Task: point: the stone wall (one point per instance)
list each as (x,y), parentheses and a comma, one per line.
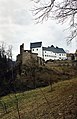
(61,63)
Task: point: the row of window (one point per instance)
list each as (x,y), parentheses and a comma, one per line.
(47,51)
(35,49)
(62,54)
(49,56)
(55,54)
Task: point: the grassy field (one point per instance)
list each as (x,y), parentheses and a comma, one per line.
(42,103)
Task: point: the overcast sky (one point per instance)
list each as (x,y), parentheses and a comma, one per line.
(17,26)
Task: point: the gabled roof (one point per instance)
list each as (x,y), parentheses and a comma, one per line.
(35,45)
(54,49)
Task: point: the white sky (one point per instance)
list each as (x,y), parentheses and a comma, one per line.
(17,26)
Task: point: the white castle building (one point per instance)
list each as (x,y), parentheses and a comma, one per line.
(47,53)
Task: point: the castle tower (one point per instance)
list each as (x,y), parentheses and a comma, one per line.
(36,47)
(21,48)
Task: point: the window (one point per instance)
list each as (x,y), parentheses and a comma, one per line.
(59,54)
(45,51)
(37,49)
(63,54)
(33,49)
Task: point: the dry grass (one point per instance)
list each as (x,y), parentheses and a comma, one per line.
(41,103)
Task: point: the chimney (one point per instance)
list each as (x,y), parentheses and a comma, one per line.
(52,46)
(56,47)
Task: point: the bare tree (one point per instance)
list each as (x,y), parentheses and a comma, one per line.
(61,10)
(2,49)
(4,106)
(9,52)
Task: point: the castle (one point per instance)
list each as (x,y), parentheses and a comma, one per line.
(40,53)
(26,55)
(47,53)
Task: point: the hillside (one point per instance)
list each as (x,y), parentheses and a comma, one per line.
(60,103)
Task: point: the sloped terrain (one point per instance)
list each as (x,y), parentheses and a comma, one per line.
(42,103)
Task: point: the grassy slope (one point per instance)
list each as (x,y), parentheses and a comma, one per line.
(41,103)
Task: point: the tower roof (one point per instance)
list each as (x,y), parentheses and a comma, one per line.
(35,45)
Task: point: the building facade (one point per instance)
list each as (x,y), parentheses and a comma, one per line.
(72,56)
(48,53)
(37,48)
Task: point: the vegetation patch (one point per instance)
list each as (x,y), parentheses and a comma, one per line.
(42,103)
